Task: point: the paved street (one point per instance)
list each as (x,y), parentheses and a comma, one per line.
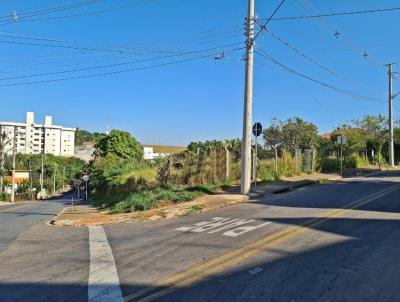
(332,242)
(18,218)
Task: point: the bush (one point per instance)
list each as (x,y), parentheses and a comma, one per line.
(356,161)
(330,164)
(177,197)
(142,201)
(135,202)
(5,196)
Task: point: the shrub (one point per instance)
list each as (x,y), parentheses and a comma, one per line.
(356,161)
(135,202)
(5,196)
(330,164)
(177,196)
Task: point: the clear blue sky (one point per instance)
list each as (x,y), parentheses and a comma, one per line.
(199,99)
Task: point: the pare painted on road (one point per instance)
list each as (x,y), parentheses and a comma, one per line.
(229,227)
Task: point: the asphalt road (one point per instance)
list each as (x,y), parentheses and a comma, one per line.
(17,218)
(333,242)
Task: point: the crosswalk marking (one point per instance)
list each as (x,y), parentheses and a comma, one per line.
(103,278)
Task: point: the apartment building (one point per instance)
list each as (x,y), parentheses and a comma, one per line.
(34,138)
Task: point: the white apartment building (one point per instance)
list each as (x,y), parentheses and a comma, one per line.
(34,138)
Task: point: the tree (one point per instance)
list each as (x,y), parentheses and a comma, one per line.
(121,144)
(356,139)
(235,147)
(83,136)
(273,134)
(207,146)
(294,133)
(377,131)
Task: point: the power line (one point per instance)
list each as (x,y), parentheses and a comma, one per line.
(109,65)
(88,59)
(343,91)
(105,49)
(371,11)
(59,46)
(54,9)
(316,16)
(137,51)
(313,61)
(101,11)
(264,26)
(108,73)
(99,47)
(346,42)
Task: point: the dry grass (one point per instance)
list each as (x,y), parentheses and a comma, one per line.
(166,149)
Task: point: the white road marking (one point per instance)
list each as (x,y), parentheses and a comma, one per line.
(244,229)
(103,277)
(218,224)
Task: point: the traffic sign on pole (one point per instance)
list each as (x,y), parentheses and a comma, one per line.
(257,129)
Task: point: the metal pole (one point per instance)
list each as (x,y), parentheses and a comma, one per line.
(276,160)
(54,180)
(391,134)
(341,159)
(245,185)
(13,168)
(30,180)
(86,189)
(63,179)
(41,175)
(255,165)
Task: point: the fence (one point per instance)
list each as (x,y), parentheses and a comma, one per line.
(195,168)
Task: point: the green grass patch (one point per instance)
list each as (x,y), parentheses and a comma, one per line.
(146,200)
(135,202)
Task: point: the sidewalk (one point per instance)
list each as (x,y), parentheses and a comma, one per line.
(291,183)
(84,214)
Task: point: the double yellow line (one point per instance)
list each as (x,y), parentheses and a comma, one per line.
(233,257)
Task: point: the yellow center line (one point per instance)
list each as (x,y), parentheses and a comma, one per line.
(235,256)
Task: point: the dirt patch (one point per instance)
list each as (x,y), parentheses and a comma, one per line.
(85,215)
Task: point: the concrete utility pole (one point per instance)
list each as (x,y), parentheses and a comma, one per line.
(391,134)
(245,185)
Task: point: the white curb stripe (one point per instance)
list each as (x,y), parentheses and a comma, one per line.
(103,277)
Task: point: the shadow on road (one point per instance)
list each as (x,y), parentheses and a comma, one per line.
(342,259)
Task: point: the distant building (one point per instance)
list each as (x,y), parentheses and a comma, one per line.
(326,136)
(85,152)
(149,153)
(34,138)
(152,152)
(21,176)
